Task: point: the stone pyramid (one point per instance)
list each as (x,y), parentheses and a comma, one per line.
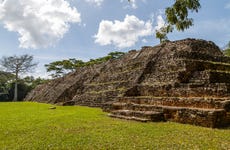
(186,81)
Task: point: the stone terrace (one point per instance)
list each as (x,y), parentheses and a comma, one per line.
(185,81)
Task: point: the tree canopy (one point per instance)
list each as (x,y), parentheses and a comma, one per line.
(25,85)
(62,67)
(5,77)
(177,17)
(227,49)
(17,65)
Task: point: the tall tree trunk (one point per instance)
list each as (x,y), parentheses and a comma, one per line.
(16,91)
(16,87)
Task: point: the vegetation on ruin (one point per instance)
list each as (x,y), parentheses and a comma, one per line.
(227,49)
(177,17)
(34,126)
(62,67)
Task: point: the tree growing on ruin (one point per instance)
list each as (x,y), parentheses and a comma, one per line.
(177,17)
(226,50)
(62,67)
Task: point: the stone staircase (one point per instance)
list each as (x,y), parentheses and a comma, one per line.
(207,112)
(197,92)
(186,81)
(142,116)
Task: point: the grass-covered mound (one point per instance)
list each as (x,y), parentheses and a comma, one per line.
(35,126)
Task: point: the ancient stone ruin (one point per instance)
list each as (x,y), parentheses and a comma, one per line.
(185,81)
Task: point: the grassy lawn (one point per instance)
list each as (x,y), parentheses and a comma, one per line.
(34,126)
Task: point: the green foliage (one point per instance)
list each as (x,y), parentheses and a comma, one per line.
(36,127)
(177,17)
(32,82)
(177,14)
(162,33)
(4,78)
(22,87)
(228,45)
(60,68)
(227,50)
(116,54)
(17,65)
(112,55)
(7,85)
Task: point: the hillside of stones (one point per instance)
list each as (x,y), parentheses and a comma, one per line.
(186,81)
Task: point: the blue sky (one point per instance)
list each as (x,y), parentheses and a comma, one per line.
(53,30)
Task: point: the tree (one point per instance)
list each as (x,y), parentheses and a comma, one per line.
(18,65)
(60,68)
(32,82)
(116,54)
(227,49)
(161,34)
(177,17)
(5,79)
(22,87)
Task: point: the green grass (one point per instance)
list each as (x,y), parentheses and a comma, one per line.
(34,126)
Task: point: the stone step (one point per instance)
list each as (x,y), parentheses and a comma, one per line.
(197,102)
(135,107)
(151,115)
(106,86)
(106,93)
(191,56)
(156,108)
(119,105)
(129,118)
(121,67)
(207,65)
(129,75)
(91,100)
(196,116)
(202,90)
(180,90)
(219,76)
(203,117)
(208,75)
(198,82)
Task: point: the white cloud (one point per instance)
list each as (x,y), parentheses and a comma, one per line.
(39,23)
(96,2)
(123,34)
(160,22)
(132,3)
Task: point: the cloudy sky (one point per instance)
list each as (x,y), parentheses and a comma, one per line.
(53,30)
